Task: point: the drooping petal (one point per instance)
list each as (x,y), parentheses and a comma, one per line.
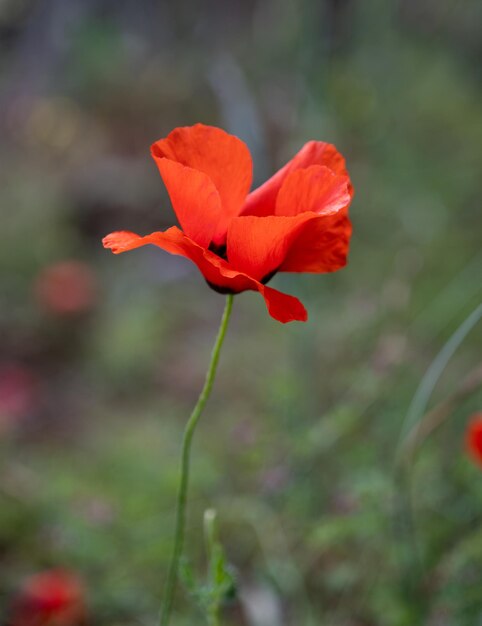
(316,189)
(320,246)
(282,306)
(258,245)
(224,158)
(194,198)
(262,201)
(216,271)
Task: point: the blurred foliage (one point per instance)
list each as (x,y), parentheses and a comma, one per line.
(297,448)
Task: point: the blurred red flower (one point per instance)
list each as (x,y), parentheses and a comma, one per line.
(50,598)
(66,288)
(18,391)
(297,221)
(473,438)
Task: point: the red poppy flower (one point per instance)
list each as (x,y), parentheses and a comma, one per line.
(297,221)
(18,392)
(51,598)
(473,438)
(66,288)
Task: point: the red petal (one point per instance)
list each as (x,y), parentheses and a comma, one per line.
(194,198)
(321,246)
(214,269)
(316,189)
(123,241)
(225,159)
(310,231)
(282,307)
(258,245)
(262,201)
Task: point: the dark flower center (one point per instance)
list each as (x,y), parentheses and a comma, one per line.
(219,250)
(222,290)
(265,280)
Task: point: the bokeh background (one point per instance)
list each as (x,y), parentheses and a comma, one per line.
(102,357)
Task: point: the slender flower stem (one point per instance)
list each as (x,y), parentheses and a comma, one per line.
(185,463)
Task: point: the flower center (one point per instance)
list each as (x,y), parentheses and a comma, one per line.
(219,250)
(268,277)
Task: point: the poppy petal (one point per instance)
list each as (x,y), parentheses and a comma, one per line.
(262,201)
(174,241)
(316,189)
(214,269)
(283,307)
(194,198)
(224,158)
(123,241)
(258,246)
(320,246)
(217,271)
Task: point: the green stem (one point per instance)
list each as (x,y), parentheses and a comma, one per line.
(185,462)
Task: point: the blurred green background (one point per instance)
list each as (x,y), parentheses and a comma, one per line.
(102,357)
